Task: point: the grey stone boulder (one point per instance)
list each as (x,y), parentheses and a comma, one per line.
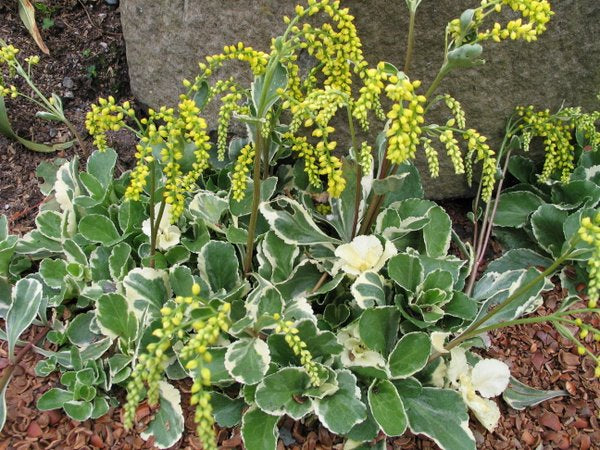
(166,39)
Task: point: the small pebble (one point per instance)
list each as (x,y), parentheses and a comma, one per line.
(68,83)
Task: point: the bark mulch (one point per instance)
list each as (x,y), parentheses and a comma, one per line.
(87,61)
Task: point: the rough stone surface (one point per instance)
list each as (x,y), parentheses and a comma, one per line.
(167,38)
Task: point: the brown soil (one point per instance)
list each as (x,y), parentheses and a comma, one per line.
(87,61)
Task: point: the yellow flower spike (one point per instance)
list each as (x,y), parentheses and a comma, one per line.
(581,350)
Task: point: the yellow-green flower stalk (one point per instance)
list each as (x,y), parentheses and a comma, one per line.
(557,136)
(239,177)
(533,19)
(298,346)
(590,233)
(431,154)
(406,118)
(175,323)
(476,145)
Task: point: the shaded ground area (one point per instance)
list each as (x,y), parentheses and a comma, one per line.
(87,61)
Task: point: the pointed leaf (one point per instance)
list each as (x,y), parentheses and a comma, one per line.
(27,14)
(520,396)
(26,300)
(295,228)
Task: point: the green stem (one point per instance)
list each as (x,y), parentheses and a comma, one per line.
(473,329)
(154,233)
(358,194)
(486,227)
(438,79)
(411,41)
(258,150)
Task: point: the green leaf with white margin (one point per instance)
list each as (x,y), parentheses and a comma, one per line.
(3,403)
(547,224)
(247,360)
(294,228)
(100,229)
(282,393)
(115,318)
(259,430)
(342,208)
(167,425)
(493,288)
(74,253)
(219,266)
(26,300)
(53,272)
(78,410)
(368,290)
(54,398)
(437,232)
(520,396)
(101,165)
(119,261)
(387,408)
(518,258)
(344,409)
(49,224)
(439,414)
(147,289)
(227,411)
(410,355)
(378,328)
(8,245)
(279,256)
(406,270)
(515,208)
(208,206)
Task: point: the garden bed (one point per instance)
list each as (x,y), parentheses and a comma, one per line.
(87,61)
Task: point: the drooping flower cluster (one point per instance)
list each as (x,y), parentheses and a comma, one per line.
(590,233)
(453,150)
(195,354)
(337,47)
(107,116)
(164,130)
(370,95)
(480,151)
(456,110)
(533,21)
(175,322)
(257,61)
(431,154)
(228,108)
(298,346)
(557,136)
(239,177)
(406,118)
